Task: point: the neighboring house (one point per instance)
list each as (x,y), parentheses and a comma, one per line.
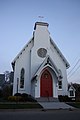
(2,80)
(71,91)
(9,81)
(77,91)
(40,67)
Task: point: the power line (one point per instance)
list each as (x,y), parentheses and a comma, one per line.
(74,72)
(73,67)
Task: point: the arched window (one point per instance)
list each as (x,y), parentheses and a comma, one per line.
(22,78)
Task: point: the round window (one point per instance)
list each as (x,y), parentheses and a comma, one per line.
(42,52)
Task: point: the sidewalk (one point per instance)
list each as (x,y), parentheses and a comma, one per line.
(55,105)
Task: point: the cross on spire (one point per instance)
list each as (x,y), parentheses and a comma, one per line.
(40,18)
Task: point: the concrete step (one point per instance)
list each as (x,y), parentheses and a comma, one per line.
(47,99)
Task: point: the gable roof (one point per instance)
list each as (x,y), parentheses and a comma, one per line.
(52,42)
(13,62)
(48,63)
(60,54)
(70,86)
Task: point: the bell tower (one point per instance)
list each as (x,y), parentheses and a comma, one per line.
(41,45)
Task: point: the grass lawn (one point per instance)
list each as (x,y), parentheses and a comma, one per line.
(31,105)
(75,104)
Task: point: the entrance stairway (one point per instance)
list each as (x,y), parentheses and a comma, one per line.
(47,99)
(52,103)
(55,105)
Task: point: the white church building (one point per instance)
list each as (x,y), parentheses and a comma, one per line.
(40,69)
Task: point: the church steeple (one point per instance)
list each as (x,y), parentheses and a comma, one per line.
(40,24)
(41,35)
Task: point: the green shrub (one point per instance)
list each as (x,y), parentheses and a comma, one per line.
(64,98)
(27,97)
(1,94)
(17,94)
(14,98)
(24,97)
(77,99)
(6,92)
(31,99)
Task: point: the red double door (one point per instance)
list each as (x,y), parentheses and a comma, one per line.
(46,85)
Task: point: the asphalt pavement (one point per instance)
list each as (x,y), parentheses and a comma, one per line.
(40,114)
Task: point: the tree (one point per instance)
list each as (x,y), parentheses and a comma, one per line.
(7,91)
(7,74)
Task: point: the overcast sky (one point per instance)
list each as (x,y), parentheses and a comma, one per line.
(17,19)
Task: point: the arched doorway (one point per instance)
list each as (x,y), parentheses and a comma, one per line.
(46,86)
